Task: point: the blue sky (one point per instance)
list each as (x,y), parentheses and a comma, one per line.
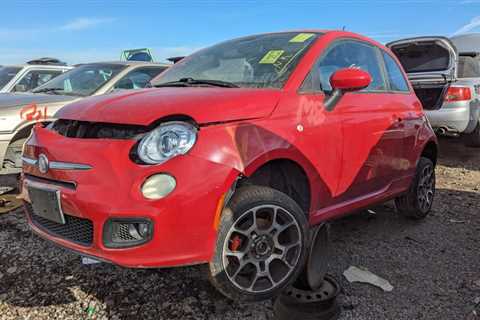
(83,31)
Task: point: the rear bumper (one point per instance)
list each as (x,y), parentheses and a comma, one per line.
(453,118)
(183,222)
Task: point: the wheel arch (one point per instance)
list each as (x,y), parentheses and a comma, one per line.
(283,174)
(430,151)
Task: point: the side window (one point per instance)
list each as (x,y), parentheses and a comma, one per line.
(348,54)
(395,75)
(35,78)
(138,78)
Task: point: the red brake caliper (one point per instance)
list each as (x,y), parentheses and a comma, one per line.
(235,243)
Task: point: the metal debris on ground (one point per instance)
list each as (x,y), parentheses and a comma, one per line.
(354,274)
(457,221)
(9,202)
(475,313)
(87,261)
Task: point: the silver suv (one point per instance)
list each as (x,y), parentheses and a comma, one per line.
(25,77)
(446,81)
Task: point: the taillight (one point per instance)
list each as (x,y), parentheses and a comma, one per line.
(458,94)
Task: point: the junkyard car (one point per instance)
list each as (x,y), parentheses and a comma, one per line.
(19,112)
(447,83)
(25,77)
(242,147)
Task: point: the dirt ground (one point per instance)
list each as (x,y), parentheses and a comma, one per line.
(434,266)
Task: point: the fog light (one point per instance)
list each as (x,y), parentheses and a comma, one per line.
(158,186)
(126,232)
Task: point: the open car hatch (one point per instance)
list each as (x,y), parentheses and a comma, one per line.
(427,60)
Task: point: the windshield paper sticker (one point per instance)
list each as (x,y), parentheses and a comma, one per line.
(272,56)
(302,37)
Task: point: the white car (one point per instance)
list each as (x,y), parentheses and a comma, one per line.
(20,111)
(26,77)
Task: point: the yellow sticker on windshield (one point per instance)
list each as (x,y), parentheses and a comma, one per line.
(272,56)
(302,37)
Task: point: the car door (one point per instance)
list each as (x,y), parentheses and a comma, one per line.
(409,114)
(371,139)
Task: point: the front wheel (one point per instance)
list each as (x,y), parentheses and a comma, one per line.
(418,201)
(261,245)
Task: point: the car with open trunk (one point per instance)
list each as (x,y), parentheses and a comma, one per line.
(446,81)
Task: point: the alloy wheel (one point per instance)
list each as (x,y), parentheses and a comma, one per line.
(426,188)
(262,248)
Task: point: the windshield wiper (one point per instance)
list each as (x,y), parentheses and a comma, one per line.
(188,82)
(45,90)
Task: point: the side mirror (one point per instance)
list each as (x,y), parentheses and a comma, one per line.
(20,88)
(346,80)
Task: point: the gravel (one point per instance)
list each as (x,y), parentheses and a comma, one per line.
(434,266)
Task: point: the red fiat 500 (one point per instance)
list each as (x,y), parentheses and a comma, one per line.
(240,148)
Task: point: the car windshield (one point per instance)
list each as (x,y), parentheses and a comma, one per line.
(261,61)
(82,81)
(6,74)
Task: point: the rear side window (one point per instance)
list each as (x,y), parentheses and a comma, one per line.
(395,75)
(347,54)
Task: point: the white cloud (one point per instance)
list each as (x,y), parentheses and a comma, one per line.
(78,24)
(474,23)
(84,23)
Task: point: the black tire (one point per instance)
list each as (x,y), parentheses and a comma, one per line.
(248,235)
(286,312)
(473,139)
(418,201)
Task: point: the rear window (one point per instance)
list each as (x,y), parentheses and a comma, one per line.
(468,67)
(423,56)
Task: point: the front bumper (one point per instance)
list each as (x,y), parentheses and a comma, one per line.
(183,222)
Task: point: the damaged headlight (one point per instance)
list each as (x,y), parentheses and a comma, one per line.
(167,141)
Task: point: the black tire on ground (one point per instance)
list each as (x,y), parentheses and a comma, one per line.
(13,154)
(261,245)
(417,202)
(473,139)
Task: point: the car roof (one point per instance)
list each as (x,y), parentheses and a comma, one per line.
(27,65)
(129,63)
(337,33)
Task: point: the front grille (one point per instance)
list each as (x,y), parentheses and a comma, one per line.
(75,229)
(97,130)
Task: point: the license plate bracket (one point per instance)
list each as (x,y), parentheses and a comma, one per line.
(46,204)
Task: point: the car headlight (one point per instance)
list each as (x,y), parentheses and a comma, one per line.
(167,141)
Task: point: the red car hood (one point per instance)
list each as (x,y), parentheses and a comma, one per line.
(204,105)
